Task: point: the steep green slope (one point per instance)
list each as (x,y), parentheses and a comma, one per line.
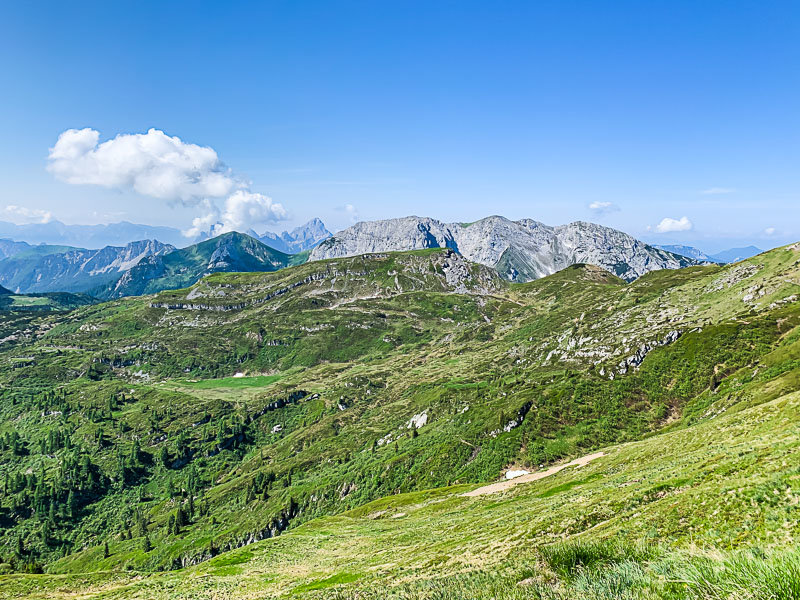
(181,268)
(361,378)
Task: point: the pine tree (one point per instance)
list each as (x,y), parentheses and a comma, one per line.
(72,504)
(136,454)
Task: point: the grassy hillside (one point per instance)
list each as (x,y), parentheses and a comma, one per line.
(19,313)
(156,433)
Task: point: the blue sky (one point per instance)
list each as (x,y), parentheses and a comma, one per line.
(456,110)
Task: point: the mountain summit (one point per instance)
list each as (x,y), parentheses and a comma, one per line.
(298,239)
(520,250)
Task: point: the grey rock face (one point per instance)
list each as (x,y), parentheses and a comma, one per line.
(520,250)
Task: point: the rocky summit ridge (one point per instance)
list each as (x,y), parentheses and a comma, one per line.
(521,250)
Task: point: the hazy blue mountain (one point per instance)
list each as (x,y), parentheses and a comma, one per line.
(10,248)
(48,268)
(233,252)
(735,254)
(689,251)
(298,239)
(90,236)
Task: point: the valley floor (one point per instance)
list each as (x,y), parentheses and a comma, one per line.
(708,511)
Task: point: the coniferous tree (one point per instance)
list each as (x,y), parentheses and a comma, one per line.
(72,504)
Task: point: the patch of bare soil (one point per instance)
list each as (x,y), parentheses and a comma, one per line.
(502,486)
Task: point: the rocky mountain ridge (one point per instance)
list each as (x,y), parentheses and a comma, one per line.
(521,250)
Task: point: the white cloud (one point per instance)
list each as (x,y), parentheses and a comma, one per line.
(153,164)
(603,208)
(769,231)
(714,191)
(669,225)
(204,223)
(351,212)
(21,214)
(167,168)
(241,212)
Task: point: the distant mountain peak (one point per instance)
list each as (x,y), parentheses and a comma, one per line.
(301,238)
(688,251)
(736,254)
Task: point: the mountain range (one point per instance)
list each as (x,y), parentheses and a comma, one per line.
(181,268)
(519,250)
(45,268)
(27,268)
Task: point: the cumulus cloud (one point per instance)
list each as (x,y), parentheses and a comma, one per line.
(769,231)
(153,164)
(715,191)
(21,214)
(165,167)
(241,210)
(603,208)
(669,225)
(351,212)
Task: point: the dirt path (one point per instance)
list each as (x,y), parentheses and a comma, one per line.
(501,486)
